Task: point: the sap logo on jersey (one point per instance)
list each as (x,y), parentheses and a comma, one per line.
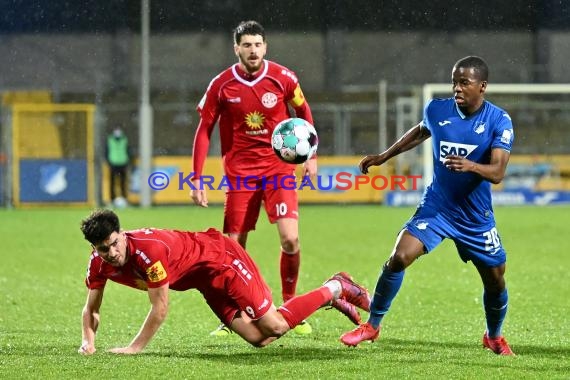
(446,148)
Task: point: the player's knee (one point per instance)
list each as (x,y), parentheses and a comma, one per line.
(399,261)
(290,243)
(277,330)
(267,334)
(495,286)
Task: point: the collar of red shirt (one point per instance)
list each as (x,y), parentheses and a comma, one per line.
(247,76)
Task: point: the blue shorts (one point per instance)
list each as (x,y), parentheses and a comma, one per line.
(478,243)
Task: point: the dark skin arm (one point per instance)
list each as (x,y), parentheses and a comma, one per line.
(493,172)
(412,138)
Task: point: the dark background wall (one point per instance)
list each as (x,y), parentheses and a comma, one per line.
(90,51)
(57,16)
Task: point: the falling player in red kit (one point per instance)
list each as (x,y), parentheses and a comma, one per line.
(156,260)
(248,99)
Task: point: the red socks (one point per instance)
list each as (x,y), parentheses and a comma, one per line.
(289,269)
(299,308)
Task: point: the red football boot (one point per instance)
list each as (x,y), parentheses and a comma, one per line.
(498,345)
(352,292)
(360,334)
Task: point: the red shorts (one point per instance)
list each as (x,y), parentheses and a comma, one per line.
(237,285)
(241,209)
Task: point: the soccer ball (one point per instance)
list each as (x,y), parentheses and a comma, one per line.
(295,140)
(120,202)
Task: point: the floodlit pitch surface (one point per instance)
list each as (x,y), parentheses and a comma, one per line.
(433,330)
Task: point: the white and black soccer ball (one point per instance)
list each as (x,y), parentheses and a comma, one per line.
(295,140)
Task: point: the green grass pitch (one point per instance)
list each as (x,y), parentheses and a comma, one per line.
(433,330)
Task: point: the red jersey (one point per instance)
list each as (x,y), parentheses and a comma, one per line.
(248,108)
(157,257)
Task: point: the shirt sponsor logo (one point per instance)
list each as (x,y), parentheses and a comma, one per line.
(269,100)
(257,133)
(446,148)
(255,121)
(156,272)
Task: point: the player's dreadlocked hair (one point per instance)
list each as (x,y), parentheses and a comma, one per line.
(250,28)
(477,63)
(99,225)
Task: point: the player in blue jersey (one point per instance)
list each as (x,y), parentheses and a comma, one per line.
(472,140)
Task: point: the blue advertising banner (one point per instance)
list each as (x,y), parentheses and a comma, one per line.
(53,180)
(530,197)
(500,198)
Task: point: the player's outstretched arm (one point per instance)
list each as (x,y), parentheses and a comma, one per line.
(90,321)
(157,314)
(409,140)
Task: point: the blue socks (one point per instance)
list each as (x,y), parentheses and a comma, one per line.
(389,284)
(387,287)
(495,306)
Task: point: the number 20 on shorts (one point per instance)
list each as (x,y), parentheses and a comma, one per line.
(492,242)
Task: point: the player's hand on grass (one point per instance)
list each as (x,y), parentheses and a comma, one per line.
(124,350)
(199,195)
(372,160)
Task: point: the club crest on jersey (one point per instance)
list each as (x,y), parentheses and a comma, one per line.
(269,100)
(446,148)
(421,225)
(479,128)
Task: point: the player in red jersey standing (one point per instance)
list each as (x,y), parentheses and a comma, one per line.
(156,260)
(248,99)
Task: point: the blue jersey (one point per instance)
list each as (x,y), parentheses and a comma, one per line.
(464,196)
